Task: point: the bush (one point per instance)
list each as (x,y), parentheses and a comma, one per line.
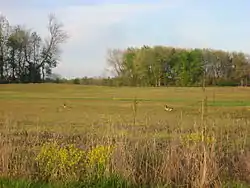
(69,163)
(56,162)
(76,81)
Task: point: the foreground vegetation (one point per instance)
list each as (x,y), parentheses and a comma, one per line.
(74,136)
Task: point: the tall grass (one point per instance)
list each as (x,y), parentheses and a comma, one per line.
(189,158)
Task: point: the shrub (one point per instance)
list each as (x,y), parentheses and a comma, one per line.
(56,162)
(97,160)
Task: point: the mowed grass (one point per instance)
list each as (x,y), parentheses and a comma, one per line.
(149,145)
(41,105)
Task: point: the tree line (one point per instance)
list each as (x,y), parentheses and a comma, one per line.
(169,66)
(26,57)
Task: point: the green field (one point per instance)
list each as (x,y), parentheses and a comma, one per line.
(146,140)
(41,106)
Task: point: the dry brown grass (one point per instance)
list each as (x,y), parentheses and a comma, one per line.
(150,150)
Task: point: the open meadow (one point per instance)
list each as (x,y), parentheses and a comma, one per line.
(125,133)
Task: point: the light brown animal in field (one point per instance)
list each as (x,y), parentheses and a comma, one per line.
(169,109)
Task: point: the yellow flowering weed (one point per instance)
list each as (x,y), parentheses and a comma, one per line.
(59,162)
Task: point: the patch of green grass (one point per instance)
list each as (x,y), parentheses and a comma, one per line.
(110,182)
(233,184)
(12,183)
(113,182)
(230,96)
(229,103)
(172,100)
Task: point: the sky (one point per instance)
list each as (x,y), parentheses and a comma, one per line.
(94,26)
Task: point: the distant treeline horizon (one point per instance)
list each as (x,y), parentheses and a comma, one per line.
(25,57)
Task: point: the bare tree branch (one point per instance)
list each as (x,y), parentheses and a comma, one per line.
(56,37)
(115,61)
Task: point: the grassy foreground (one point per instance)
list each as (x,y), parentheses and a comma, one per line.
(111,182)
(105,132)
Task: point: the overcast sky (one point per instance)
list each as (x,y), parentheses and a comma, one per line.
(96,25)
